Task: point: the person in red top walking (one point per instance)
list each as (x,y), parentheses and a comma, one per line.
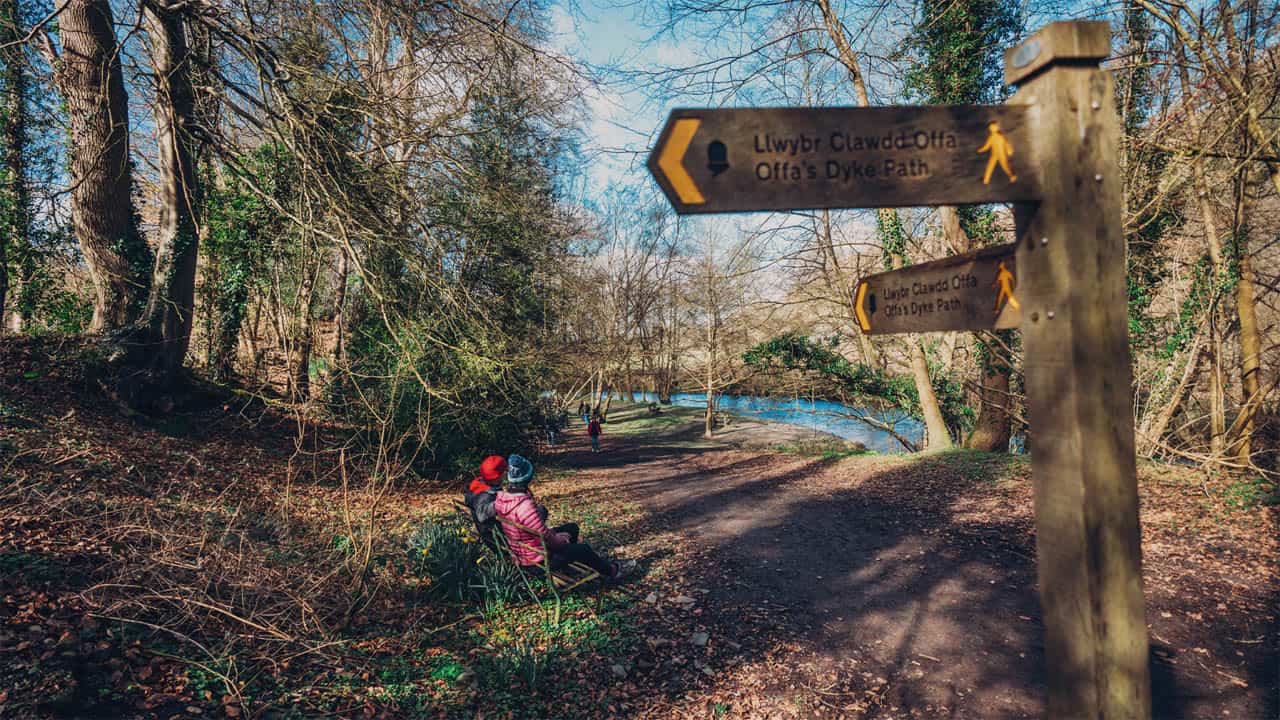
(593,429)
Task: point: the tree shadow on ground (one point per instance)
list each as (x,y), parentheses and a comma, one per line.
(904,598)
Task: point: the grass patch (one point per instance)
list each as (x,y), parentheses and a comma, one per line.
(825,448)
(978,465)
(1249,493)
(530,665)
(638,421)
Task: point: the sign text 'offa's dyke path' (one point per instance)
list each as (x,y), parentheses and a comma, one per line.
(734,160)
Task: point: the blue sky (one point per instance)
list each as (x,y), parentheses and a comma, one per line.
(623,121)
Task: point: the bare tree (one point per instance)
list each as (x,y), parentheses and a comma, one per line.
(168,316)
(719,306)
(88,72)
(1232,50)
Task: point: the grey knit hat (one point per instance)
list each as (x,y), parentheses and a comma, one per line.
(519,470)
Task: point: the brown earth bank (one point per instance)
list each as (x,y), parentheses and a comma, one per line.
(236,561)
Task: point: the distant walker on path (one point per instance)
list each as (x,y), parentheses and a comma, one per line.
(593,429)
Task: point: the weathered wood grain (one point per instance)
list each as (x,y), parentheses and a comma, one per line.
(1071,266)
(1058,42)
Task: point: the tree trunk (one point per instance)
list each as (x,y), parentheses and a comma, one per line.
(255,340)
(597,392)
(870,355)
(939,438)
(340,305)
(1250,344)
(303,339)
(631,381)
(709,416)
(169,309)
(302,365)
(1217,403)
(993,428)
(14,200)
(849,59)
(102,211)
(1150,435)
(608,401)
(957,239)
(1217,411)
(713,327)
(671,358)
(16,234)
(662,386)
(937,435)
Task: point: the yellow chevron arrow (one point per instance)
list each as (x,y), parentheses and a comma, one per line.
(672,161)
(863,321)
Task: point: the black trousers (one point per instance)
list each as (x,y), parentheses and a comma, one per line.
(577,552)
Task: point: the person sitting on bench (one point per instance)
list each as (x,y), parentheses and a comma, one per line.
(480,496)
(515,504)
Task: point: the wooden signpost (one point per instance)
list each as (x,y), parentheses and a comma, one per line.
(1052,152)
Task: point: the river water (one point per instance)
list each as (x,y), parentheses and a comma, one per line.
(823,416)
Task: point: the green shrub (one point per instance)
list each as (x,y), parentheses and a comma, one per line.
(459,567)
(66,312)
(445,551)
(498,584)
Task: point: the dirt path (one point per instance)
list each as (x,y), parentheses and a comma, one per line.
(894,587)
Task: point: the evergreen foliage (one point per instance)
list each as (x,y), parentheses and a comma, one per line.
(461,367)
(243,229)
(1151,218)
(956,45)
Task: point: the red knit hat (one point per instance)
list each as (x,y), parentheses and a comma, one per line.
(492,467)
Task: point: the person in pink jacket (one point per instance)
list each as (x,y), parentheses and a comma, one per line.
(516,504)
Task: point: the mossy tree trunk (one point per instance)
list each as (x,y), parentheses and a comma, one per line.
(993,428)
(15,201)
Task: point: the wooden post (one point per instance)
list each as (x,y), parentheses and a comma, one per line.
(1071,277)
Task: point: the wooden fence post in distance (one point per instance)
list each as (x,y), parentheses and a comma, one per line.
(1071,280)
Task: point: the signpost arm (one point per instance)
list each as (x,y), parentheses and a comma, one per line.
(1071,272)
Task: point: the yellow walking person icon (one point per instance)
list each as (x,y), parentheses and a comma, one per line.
(1000,149)
(1006,282)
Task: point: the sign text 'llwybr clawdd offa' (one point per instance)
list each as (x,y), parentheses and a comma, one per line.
(974,291)
(733,160)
